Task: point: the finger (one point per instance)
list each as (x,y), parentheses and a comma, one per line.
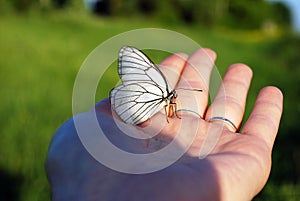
(172,67)
(265,117)
(231,98)
(196,75)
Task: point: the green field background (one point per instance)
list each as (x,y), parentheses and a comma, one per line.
(41,53)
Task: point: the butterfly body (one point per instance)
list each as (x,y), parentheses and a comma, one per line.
(144,90)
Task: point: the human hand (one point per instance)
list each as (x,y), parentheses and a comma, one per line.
(235,168)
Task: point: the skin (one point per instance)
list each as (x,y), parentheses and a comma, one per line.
(237,167)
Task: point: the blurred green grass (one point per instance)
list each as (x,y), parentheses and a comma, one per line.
(42,53)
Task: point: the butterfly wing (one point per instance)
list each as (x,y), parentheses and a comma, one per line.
(144,88)
(134,104)
(134,66)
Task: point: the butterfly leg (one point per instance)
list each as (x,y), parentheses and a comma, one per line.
(174,110)
(170,110)
(166,112)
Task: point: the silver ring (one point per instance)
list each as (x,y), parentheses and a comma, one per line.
(223,119)
(189,111)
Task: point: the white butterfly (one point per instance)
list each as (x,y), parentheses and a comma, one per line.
(144,90)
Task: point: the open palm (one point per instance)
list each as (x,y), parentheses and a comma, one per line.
(217,163)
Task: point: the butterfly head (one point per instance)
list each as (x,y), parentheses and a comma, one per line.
(174,93)
(173,96)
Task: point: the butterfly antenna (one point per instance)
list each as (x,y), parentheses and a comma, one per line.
(200,90)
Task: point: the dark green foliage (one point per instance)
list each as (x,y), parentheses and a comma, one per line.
(192,12)
(103,8)
(147,7)
(23,5)
(281,14)
(246,14)
(240,14)
(60,3)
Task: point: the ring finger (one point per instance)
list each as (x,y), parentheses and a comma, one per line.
(230,101)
